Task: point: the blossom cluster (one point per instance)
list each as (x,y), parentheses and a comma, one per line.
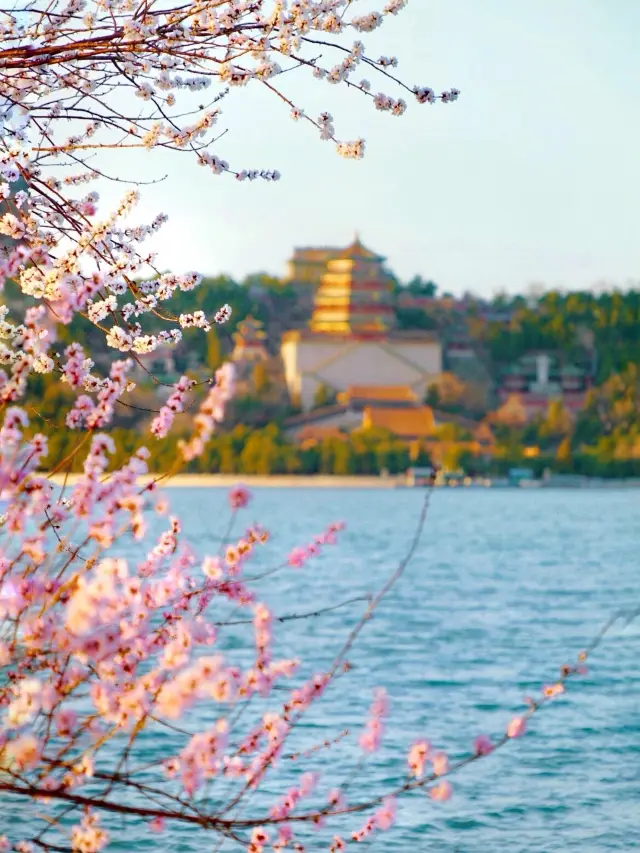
(70,257)
(110,630)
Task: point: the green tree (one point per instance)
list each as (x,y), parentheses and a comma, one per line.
(323,396)
(343,458)
(421,287)
(213,358)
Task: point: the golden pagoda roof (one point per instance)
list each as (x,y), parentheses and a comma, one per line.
(415,422)
(315,254)
(356,251)
(382,393)
(249,329)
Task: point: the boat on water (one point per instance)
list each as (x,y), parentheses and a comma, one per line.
(424,477)
(416,478)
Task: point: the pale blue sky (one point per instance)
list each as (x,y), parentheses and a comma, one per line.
(533,175)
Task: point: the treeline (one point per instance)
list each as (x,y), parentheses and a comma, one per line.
(602,441)
(259,294)
(606,325)
(366,453)
(252,451)
(603,329)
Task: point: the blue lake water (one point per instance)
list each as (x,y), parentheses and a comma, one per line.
(505,587)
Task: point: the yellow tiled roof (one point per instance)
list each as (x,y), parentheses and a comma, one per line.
(315,253)
(405,423)
(386,393)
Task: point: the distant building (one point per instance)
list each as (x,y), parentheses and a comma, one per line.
(540,377)
(308,265)
(360,396)
(359,406)
(456,349)
(407,424)
(351,338)
(249,341)
(355,294)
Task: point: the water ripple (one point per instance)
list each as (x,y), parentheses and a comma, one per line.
(505,588)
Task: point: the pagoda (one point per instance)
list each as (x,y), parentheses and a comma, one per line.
(355,295)
(249,341)
(352,338)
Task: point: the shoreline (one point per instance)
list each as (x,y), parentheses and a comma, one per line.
(328,481)
(274,481)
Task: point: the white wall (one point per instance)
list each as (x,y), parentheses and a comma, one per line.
(338,364)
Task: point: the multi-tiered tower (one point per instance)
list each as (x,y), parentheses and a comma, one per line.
(355,295)
(351,338)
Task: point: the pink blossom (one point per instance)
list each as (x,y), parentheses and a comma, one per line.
(308,783)
(441,792)
(223,315)
(552,690)
(482,745)
(372,736)
(162,423)
(365,830)
(386,815)
(88,837)
(25,751)
(65,720)
(239,497)
(259,836)
(440,763)
(336,798)
(417,757)
(516,727)
(298,557)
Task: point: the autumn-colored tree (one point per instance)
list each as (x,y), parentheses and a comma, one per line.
(260,378)
(512,414)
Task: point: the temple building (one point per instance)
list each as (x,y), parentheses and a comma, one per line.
(308,265)
(407,424)
(351,338)
(255,369)
(249,341)
(537,378)
(355,295)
